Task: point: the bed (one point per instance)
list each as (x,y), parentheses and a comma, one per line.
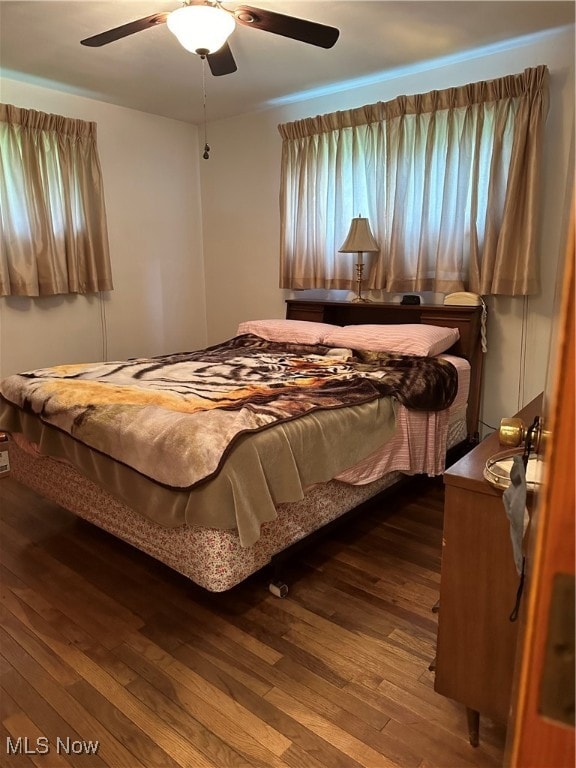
(222,509)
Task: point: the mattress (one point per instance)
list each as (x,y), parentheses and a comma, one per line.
(279,417)
(210,557)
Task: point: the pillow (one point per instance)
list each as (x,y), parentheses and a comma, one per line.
(296,331)
(407,339)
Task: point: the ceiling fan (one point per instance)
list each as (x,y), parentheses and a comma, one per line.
(203,27)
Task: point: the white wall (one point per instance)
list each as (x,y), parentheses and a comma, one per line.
(152,191)
(240,193)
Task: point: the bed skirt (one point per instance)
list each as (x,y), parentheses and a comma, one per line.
(210,557)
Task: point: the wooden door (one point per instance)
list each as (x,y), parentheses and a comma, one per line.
(542,726)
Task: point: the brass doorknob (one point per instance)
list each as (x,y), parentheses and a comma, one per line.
(512,432)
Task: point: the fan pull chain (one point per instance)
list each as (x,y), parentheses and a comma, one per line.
(206,154)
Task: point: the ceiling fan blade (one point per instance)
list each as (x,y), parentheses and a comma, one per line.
(221,62)
(126,29)
(287,26)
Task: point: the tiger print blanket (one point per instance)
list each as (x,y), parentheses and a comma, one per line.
(175,418)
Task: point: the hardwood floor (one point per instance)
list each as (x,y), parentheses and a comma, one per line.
(108,658)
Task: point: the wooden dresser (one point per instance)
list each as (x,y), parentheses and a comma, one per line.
(476,640)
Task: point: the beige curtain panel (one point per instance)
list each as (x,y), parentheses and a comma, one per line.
(448,179)
(54,234)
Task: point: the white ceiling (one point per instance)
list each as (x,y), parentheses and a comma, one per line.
(150,71)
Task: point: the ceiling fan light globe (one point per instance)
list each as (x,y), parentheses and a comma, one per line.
(201,27)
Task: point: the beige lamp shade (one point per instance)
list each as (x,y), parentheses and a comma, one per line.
(360,238)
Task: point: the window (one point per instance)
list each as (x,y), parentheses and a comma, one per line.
(448,180)
(53,219)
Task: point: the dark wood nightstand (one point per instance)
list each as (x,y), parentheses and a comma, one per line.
(476,639)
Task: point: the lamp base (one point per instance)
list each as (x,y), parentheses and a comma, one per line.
(361,300)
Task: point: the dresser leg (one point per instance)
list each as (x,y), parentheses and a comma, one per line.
(473,726)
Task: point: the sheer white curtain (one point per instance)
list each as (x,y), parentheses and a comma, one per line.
(54,237)
(448,179)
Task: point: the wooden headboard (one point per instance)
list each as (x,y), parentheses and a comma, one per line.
(466,318)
